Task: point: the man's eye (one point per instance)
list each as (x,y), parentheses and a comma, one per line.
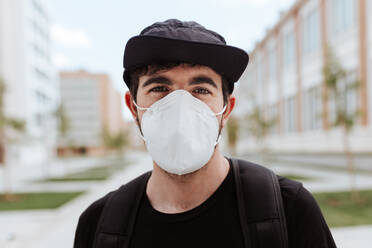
(159,89)
(201,91)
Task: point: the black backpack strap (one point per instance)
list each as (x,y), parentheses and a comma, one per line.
(118,217)
(280,210)
(260,206)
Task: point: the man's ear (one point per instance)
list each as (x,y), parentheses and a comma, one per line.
(129,102)
(229,108)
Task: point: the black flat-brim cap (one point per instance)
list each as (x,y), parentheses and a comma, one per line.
(186,42)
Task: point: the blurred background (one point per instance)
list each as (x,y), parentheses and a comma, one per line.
(304,105)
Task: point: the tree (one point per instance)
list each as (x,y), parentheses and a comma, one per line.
(259,126)
(7,123)
(232,133)
(63,121)
(116,141)
(63,124)
(339,85)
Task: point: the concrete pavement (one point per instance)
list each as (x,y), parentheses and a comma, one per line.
(40,229)
(362,162)
(23,178)
(353,237)
(325,180)
(56,228)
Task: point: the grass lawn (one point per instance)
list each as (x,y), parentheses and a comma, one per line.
(296,177)
(91,174)
(98,173)
(39,200)
(339,210)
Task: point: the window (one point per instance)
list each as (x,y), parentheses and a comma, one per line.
(38,7)
(312,108)
(273,117)
(259,82)
(41,74)
(259,72)
(272,62)
(289,49)
(41,97)
(39,29)
(312,32)
(342,15)
(290,114)
(347,98)
(38,119)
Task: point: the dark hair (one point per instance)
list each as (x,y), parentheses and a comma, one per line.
(153,68)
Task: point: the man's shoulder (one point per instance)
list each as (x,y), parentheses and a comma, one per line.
(94,210)
(295,195)
(88,222)
(305,222)
(90,217)
(289,188)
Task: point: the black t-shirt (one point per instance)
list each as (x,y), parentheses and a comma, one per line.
(215,223)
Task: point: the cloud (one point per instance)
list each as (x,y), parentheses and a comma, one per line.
(61,60)
(70,37)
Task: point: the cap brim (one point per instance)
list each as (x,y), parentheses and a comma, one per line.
(230,62)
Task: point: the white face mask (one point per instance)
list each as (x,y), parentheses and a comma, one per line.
(180,132)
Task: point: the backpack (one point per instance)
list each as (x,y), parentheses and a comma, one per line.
(260,209)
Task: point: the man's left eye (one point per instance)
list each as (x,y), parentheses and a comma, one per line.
(201,91)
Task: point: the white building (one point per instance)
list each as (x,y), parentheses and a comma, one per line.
(30,78)
(285,81)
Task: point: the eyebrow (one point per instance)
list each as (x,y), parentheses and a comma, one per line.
(203,79)
(157,80)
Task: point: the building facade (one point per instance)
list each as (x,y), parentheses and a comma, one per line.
(91,104)
(285,81)
(30,78)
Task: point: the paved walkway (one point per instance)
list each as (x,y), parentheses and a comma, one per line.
(324,180)
(23,178)
(40,229)
(329,181)
(32,229)
(362,162)
(353,237)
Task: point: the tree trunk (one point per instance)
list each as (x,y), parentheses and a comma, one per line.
(350,166)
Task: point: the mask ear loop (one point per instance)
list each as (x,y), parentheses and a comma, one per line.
(217,114)
(139,127)
(221,112)
(138,107)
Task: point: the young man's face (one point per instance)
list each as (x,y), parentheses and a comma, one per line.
(201,81)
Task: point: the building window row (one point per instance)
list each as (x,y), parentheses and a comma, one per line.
(42,32)
(273,117)
(312,108)
(41,74)
(40,52)
(342,18)
(289,49)
(290,114)
(41,97)
(342,15)
(311,32)
(347,100)
(39,9)
(273,63)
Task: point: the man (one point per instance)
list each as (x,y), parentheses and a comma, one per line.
(180,78)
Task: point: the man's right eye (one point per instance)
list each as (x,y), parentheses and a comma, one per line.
(159,89)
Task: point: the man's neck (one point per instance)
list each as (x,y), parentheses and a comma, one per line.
(169,193)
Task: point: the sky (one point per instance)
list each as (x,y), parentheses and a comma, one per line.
(91,34)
